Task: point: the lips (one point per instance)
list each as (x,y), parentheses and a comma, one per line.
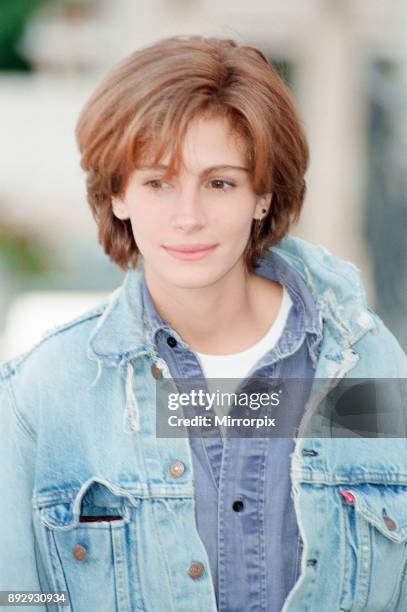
(190,252)
(190,248)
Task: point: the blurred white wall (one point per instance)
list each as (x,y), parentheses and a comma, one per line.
(326,39)
(32,314)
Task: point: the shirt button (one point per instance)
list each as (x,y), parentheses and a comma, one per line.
(79,552)
(171,341)
(156,371)
(196,569)
(238,505)
(176,468)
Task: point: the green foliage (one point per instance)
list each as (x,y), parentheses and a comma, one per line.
(14,15)
(21,253)
(284,68)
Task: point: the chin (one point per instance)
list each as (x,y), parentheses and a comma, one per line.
(193,279)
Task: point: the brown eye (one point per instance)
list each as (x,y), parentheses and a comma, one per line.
(221,184)
(154,184)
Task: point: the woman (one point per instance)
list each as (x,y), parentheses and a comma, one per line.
(195,160)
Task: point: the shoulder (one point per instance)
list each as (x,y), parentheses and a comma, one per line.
(335,284)
(55,341)
(57,361)
(383,356)
(318,266)
(340,297)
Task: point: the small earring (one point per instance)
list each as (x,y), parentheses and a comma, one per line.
(261,218)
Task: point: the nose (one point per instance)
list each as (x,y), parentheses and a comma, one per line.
(188,211)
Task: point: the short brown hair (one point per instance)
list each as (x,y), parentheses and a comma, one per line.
(145,104)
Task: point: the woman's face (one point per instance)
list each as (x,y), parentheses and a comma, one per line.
(210,203)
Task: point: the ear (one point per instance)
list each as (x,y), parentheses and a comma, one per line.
(263,202)
(120,209)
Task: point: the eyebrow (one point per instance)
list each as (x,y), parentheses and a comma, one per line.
(204,172)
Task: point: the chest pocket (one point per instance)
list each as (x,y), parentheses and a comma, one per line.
(374,530)
(85,541)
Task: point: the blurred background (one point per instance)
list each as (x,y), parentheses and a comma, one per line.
(346,63)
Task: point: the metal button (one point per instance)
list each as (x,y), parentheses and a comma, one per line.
(390,524)
(156,371)
(176,468)
(79,552)
(196,569)
(171,341)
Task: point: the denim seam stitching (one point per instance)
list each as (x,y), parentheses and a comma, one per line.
(20,420)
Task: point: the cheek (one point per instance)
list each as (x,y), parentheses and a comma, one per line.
(144,222)
(236,220)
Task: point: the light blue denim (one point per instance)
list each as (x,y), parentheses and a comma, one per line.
(78,437)
(254,554)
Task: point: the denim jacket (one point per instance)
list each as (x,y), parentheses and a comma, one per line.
(254,549)
(95,504)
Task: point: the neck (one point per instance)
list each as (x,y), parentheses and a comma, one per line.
(227,316)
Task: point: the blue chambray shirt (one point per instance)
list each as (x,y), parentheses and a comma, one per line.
(254,553)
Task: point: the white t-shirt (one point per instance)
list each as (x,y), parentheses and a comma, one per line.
(237,365)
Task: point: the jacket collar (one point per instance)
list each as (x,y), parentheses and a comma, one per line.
(336,287)
(273,267)
(122,331)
